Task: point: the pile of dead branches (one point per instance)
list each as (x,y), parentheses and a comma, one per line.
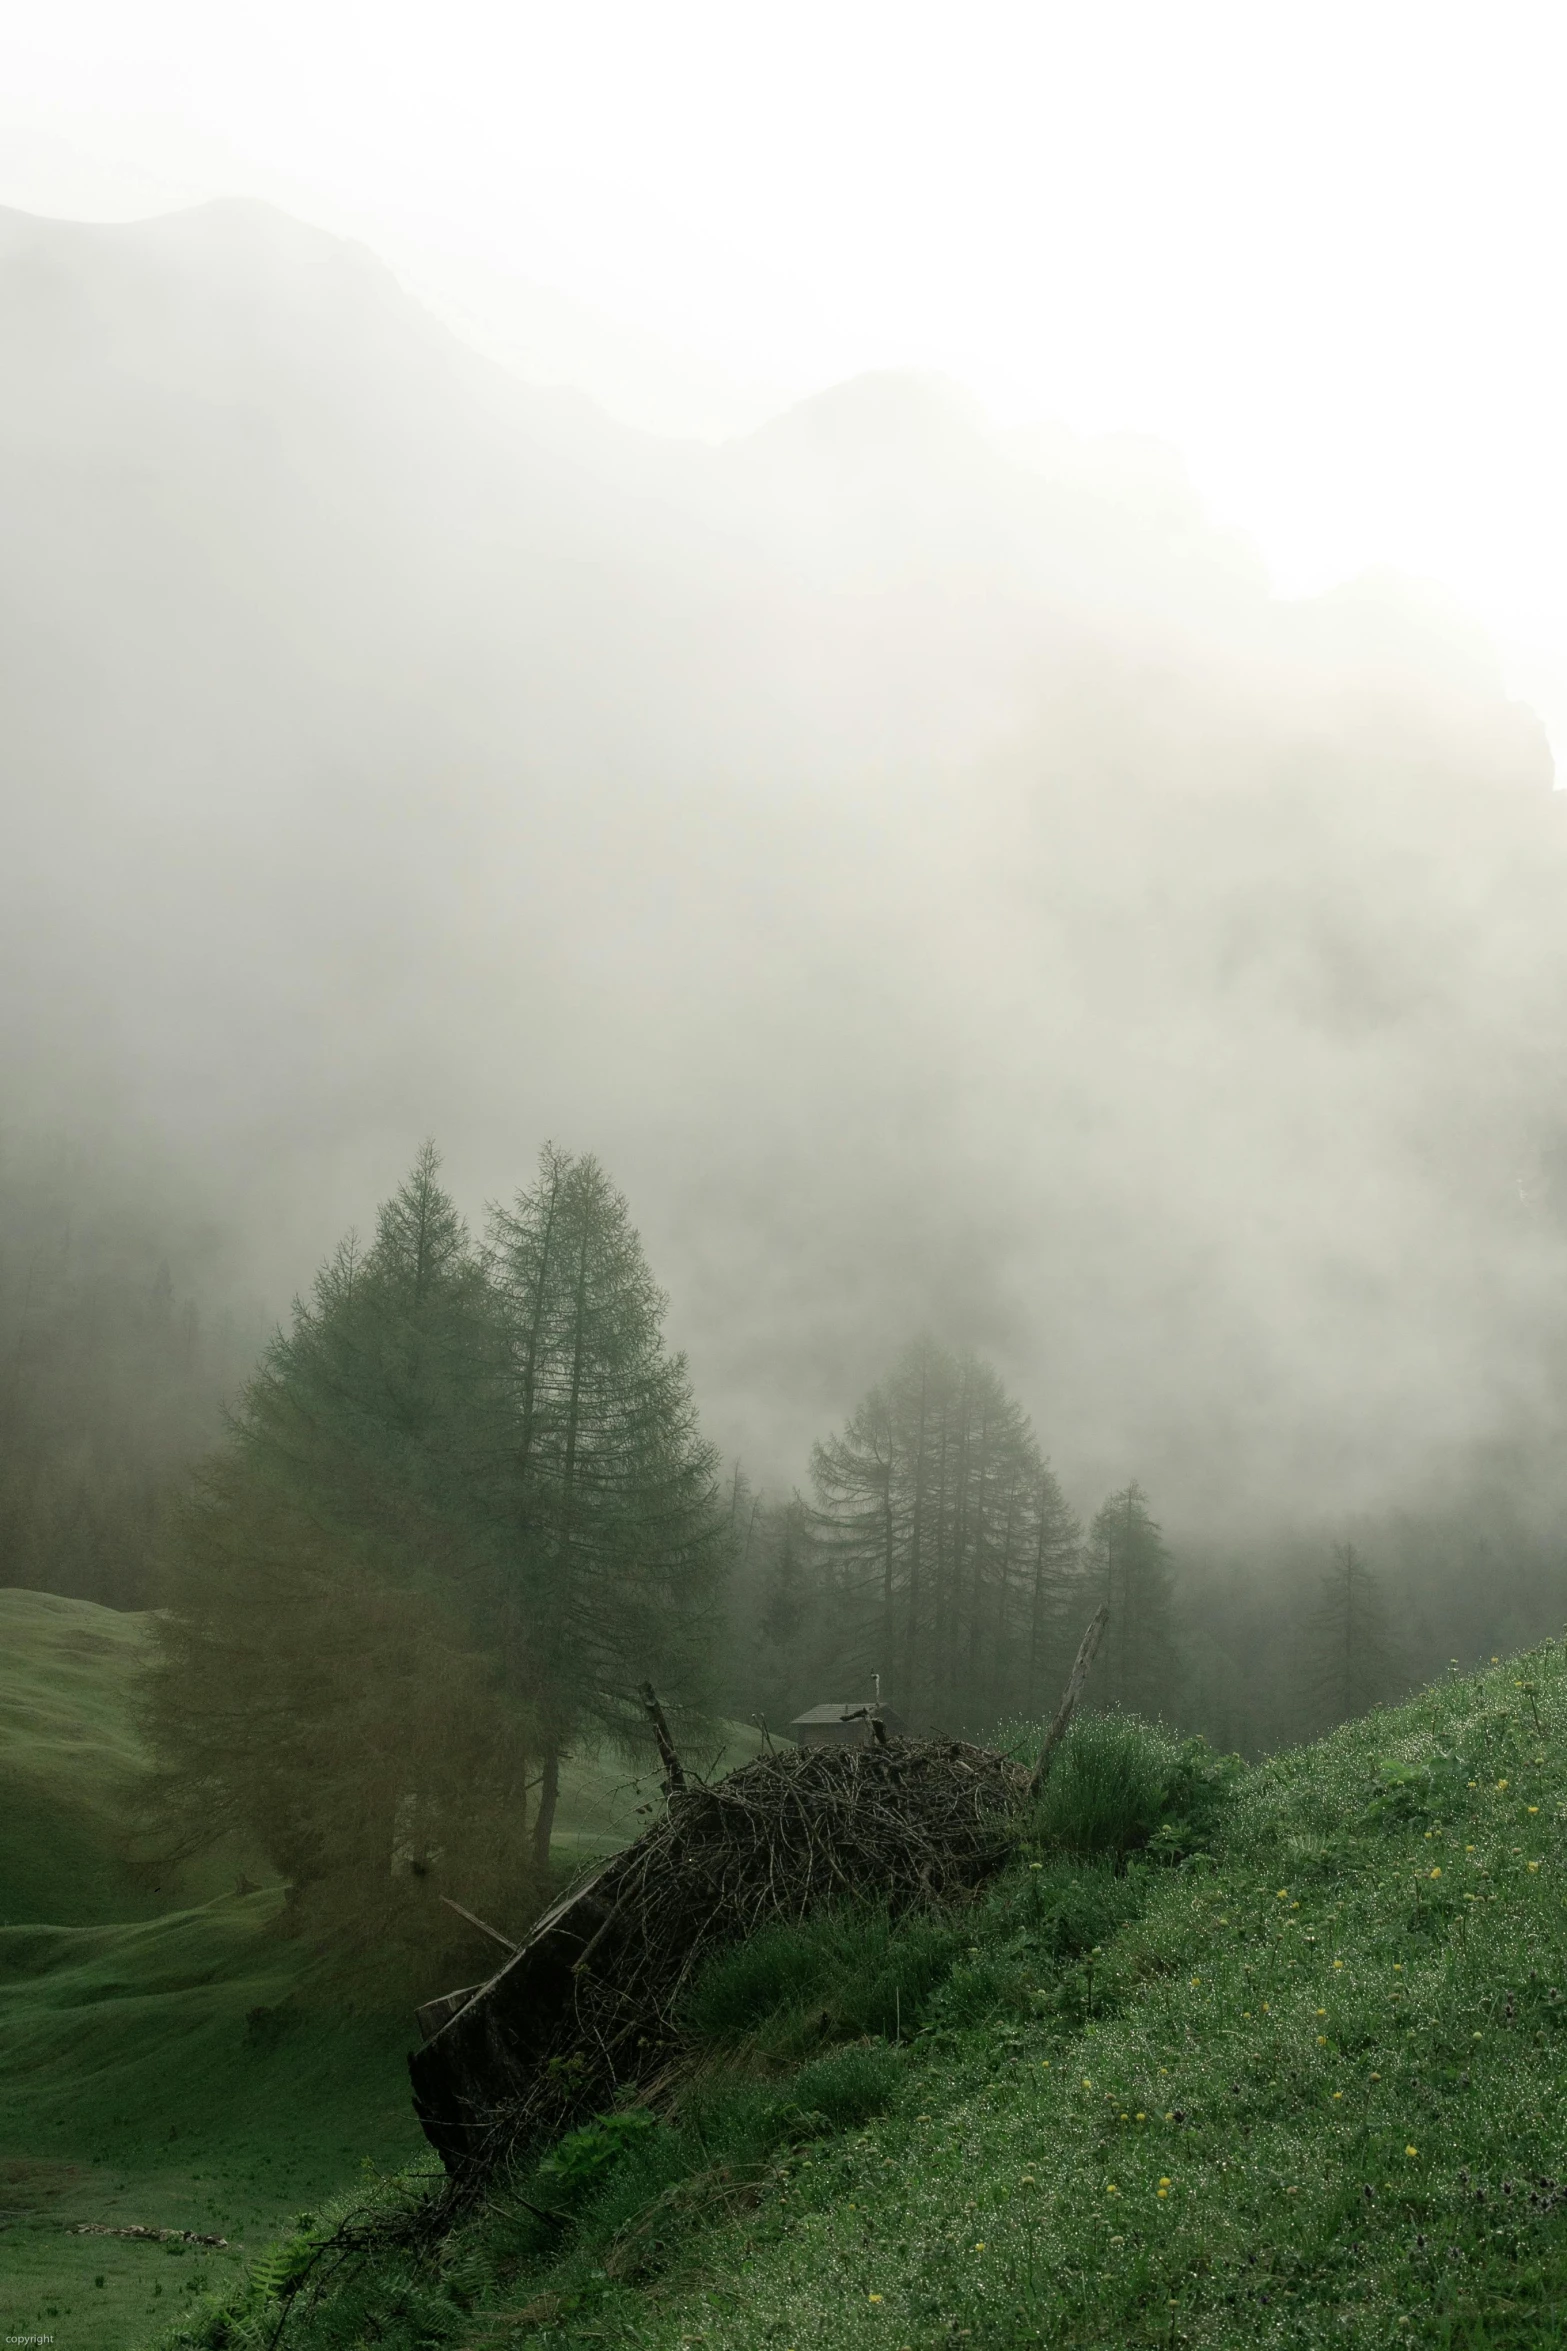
(587,2009)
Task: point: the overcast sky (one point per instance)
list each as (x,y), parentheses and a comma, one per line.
(1317,248)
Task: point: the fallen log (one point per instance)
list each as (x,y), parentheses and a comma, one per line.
(105,2228)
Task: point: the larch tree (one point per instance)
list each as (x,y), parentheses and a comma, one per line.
(613,1530)
(1350,1650)
(948,1543)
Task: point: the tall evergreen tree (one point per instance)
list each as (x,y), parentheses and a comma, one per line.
(1129,1568)
(464,1509)
(615,1535)
(318,1685)
(1350,1652)
(948,1543)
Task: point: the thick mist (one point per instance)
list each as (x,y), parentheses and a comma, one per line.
(927,866)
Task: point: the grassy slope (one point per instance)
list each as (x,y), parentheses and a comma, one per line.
(176,2068)
(139,2090)
(1317,2098)
(1339,2054)
(67,1748)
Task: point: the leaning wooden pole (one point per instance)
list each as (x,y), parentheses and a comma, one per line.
(1070,1696)
(674,1770)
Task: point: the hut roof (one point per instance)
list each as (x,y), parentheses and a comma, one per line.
(841,1710)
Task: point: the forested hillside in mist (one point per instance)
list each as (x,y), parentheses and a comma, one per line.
(926,866)
(121,1341)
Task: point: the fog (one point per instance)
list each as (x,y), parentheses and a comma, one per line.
(930,865)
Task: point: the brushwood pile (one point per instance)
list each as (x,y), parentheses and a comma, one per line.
(587,2011)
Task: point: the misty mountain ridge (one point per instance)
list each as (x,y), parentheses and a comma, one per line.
(944,885)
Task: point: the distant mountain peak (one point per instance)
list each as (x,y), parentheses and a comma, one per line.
(908,410)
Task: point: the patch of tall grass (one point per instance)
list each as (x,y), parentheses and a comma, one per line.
(1120,1785)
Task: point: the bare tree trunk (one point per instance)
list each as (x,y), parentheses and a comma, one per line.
(544,1818)
(674,1770)
(1069,1698)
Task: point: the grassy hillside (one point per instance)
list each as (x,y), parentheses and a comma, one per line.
(1305,2089)
(176,2072)
(167,2067)
(67,1749)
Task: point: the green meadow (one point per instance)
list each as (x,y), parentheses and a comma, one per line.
(166,2061)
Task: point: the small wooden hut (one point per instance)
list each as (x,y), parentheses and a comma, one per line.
(845,1723)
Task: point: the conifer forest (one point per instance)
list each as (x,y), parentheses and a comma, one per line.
(461,1507)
